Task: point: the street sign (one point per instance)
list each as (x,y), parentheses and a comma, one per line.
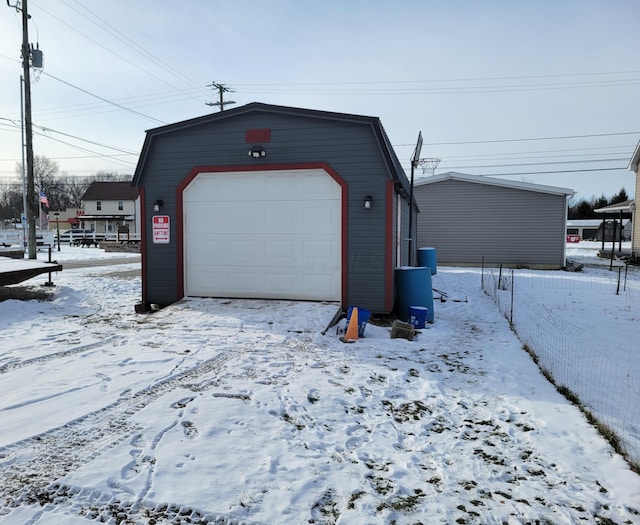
(161,229)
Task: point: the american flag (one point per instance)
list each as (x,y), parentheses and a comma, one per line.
(43,199)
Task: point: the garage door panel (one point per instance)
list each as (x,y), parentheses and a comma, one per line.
(279,250)
(264,235)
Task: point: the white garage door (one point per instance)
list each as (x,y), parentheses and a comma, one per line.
(266,234)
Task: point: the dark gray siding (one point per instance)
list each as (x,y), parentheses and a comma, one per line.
(467,221)
(351,149)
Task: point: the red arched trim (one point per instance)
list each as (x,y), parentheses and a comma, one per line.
(250,167)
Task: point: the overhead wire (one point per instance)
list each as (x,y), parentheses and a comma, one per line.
(479,156)
(434,80)
(108,49)
(553,172)
(463,89)
(119,35)
(554,163)
(118,161)
(524,139)
(104,99)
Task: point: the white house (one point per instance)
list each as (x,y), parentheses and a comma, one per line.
(108,206)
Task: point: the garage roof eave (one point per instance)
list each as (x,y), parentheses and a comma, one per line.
(492,181)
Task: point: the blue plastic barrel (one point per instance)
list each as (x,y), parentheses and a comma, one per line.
(413,288)
(427,257)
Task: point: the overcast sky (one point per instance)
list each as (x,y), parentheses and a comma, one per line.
(534,91)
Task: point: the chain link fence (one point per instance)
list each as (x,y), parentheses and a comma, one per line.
(603,379)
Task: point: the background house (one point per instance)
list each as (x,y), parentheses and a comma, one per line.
(470,217)
(586,229)
(599,229)
(274,202)
(106,206)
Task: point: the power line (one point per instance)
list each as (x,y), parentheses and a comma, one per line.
(450,90)
(104,99)
(121,162)
(553,172)
(626,148)
(494,141)
(45,130)
(134,102)
(439,80)
(108,49)
(553,163)
(119,35)
(87,140)
(76,157)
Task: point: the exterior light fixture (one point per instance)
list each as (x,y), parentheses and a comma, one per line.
(157,205)
(368,202)
(256,152)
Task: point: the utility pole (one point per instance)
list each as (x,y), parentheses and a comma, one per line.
(222,89)
(32,206)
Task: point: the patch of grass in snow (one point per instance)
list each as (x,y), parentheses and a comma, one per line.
(505,495)
(406,504)
(293,421)
(489,458)
(412,411)
(381,485)
(468,485)
(325,510)
(355,497)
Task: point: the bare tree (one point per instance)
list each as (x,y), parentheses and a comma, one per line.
(11,201)
(63,191)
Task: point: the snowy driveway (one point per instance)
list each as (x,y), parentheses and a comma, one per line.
(218,411)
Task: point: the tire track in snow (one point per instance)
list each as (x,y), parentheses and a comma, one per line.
(28,467)
(57,355)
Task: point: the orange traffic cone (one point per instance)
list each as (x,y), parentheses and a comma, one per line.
(352,329)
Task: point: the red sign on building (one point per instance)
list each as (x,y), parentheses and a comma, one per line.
(161,229)
(258,135)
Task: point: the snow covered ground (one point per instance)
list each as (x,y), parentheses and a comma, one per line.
(238,411)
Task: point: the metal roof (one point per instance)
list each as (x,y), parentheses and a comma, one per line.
(493,181)
(624,207)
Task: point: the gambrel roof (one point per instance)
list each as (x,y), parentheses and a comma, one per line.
(395,168)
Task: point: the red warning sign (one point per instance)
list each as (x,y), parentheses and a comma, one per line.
(161,229)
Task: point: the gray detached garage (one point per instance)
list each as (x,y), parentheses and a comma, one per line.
(270,234)
(272,202)
(468,218)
